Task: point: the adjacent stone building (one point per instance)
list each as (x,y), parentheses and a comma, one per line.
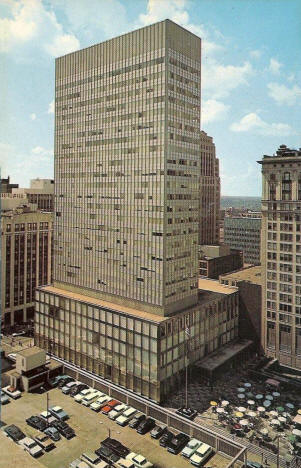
(40,192)
(216,260)
(281,256)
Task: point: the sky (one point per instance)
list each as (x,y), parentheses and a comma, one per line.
(251,75)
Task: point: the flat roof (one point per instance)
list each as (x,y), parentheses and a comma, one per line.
(210,285)
(222,355)
(30,351)
(251,274)
(109,305)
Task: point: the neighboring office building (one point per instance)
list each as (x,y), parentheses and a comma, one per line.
(6,186)
(281,256)
(209,193)
(249,283)
(26,241)
(243,233)
(127,213)
(41,192)
(218,259)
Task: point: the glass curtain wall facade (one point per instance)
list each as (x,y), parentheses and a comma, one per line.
(127,117)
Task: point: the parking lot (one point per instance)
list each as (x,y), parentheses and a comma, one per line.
(90,428)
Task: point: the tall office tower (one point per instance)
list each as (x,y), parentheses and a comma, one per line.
(243,233)
(127,146)
(281,255)
(210,192)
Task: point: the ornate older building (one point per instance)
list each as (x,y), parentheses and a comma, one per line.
(281,255)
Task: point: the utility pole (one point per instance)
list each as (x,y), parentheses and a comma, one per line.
(187,335)
(47,403)
(278,451)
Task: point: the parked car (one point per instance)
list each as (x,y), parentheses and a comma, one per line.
(55,381)
(109,406)
(78,398)
(146,426)
(75,463)
(64,429)
(77,389)
(117,447)
(4,398)
(137,420)
(47,417)
(158,431)
(64,382)
(201,455)
(88,400)
(43,441)
(188,413)
(21,333)
(59,413)
(14,432)
(124,463)
(252,464)
(139,460)
(177,443)
(126,416)
(117,411)
(166,438)
(12,357)
(36,422)
(30,446)
(90,457)
(190,448)
(66,389)
(100,402)
(107,454)
(53,433)
(12,392)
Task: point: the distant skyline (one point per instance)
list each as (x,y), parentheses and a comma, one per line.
(251,75)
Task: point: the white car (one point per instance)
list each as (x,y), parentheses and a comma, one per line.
(31,447)
(12,392)
(88,400)
(117,411)
(139,460)
(12,357)
(123,463)
(190,448)
(78,398)
(48,417)
(67,388)
(98,404)
(201,454)
(125,417)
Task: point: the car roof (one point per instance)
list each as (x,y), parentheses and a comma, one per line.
(139,458)
(203,448)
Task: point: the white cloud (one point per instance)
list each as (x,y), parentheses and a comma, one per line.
(51,107)
(256,53)
(30,22)
(254,124)
(291,77)
(33,116)
(274,66)
(219,80)
(284,95)
(213,110)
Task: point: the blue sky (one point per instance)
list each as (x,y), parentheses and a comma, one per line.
(251,74)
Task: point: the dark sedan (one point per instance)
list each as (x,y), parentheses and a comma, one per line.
(146,426)
(158,431)
(36,422)
(134,423)
(14,432)
(107,454)
(117,447)
(166,438)
(63,429)
(77,389)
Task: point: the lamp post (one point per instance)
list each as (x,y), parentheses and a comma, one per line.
(187,335)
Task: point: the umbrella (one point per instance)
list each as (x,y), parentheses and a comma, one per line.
(296,432)
(292,438)
(213,403)
(251,402)
(247,385)
(225,403)
(282,419)
(264,431)
(243,422)
(286,415)
(276,394)
(242,409)
(241,389)
(241,396)
(238,414)
(220,410)
(274,413)
(299,411)
(259,396)
(275,422)
(267,403)
(269,397)
(252,414)
(260,409)
(280,409)
(290,406)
